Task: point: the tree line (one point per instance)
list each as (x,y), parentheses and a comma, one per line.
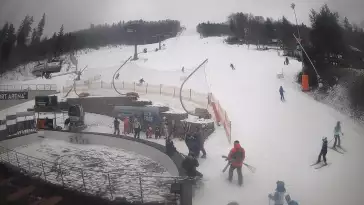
(330,41)
(27,43)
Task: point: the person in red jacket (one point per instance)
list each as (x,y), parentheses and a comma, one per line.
(126,125)
(236,158)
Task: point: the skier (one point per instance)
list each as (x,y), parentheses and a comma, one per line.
(183,69)
(323,151)
(232,66)
(281,91)
(286,62)
(278,196)
(126,126)
(141,81)
(117,76)
(189,164)
(116,126)
(236,157)
(290,201)
(137,128)
(337,132)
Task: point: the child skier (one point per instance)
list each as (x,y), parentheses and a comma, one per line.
(337,132)
(323,151)
(157,132)
(281,92)
(278,196)
(149,132)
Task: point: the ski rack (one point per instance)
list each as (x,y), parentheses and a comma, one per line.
(113,77)
(180,90)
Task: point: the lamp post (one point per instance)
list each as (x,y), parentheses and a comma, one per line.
(159,38)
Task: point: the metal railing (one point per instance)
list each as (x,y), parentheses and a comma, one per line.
(18,87)
(132,186)
(173,91)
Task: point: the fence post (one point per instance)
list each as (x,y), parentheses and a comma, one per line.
(134,86)
(60,170)
(101,83)
(141,188)
(110,188)
(190,94)
(146,89)
(83,180)
(160,89)
(45,178)
(123,85)
(17,160)
(174,92)
(28,164)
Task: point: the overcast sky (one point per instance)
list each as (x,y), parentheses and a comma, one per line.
(78,14)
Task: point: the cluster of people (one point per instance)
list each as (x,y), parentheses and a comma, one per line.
(130,126)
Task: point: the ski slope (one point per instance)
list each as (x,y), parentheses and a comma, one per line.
(281,139)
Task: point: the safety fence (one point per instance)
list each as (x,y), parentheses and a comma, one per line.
(132,186)
(18,87)
(221,116)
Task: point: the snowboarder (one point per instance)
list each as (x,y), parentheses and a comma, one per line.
(236,157)
(137,128)
(232,66)
(189,164)
(337,132)
(323,151)
(290,201)
(126,126)
(278,196)
(117,76)
(199,135)
(281,92)
(116,126)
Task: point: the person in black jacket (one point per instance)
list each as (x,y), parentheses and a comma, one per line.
(116,126)
(190,164)
(170,148)
(323,151)
(193,144)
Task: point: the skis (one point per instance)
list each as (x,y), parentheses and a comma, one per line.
(336,150)
(322,165)
(251,168)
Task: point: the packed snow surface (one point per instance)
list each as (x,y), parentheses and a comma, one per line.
(281,139)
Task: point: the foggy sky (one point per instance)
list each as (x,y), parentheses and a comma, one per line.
(78,14)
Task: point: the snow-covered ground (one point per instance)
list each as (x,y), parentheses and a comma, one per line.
(281,139)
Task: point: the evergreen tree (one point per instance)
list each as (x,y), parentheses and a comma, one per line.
(24,31)
(34,38)
(8,44)
(347,25)
(40,28)
(326,35)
